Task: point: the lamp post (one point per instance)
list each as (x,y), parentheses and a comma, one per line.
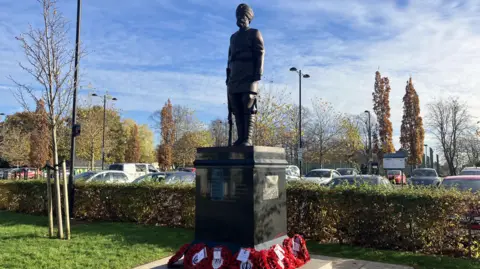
(300,142)
(75,128)
(425,156)
(105,97)
(370,157)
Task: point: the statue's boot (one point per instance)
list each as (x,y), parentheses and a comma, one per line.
(240,131)
(249,120)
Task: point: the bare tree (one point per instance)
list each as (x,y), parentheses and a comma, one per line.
(323,131)
(449,121)
(363,127)
(470,147)
(219,132)
(50,63)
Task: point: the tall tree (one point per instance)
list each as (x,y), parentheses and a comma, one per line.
(381,106)
(449,121)
(39,138)
(50,63)
(412,134)
(132,153)
(165,156)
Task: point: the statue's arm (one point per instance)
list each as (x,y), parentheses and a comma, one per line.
(258,55)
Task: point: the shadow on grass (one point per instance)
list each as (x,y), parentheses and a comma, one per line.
(123,233)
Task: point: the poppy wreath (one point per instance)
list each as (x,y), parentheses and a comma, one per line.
(254,260)
(198,256)
(226,258)
(298,250)
(178,255)
(279,258)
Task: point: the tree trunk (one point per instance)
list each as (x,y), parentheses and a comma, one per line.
(57,180)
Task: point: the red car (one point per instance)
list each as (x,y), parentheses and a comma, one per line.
(22,173)
(397,176)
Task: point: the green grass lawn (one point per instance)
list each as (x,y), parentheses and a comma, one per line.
(24,244)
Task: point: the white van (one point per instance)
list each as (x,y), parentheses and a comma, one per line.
(133,170)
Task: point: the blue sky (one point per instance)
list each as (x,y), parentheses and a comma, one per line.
(144,52)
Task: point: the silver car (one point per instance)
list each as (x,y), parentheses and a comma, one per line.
(321,176)
(103,176)
(180,177)
(470,171)
(425,177)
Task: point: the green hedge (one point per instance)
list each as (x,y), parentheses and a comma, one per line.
(416,219)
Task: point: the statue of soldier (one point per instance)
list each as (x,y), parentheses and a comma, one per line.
(244,71)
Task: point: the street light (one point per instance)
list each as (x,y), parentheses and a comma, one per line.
(75,128)
(300,147)
(370,157)
(105,97)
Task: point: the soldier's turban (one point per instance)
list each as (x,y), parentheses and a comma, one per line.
(244,9)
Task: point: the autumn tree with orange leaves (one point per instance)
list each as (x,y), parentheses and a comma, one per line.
(167,127)
(39,138)
(381,106)
(412,134)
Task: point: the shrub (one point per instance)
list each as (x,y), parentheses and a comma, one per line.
(415,219)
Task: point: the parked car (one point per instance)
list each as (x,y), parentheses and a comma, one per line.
(360,179)
(187,169)
(470,171)
(425,177)
(347,171)
(22,173)
(292,172)
(397,176)
(152,177)
(463,183)
(321,176)
(180,177)
(134,170)
(103,176)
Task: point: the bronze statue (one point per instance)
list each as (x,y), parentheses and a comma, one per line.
(244,70)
